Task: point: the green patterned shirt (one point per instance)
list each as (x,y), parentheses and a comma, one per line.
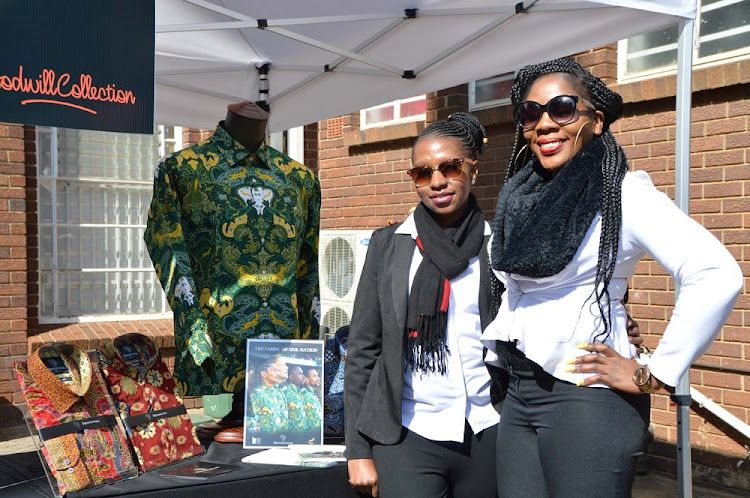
(233,236)
(270,409)
(295,407)
(312,408)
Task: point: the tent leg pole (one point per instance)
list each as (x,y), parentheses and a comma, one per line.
(682,199)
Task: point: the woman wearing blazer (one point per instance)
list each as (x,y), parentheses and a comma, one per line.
(419,418)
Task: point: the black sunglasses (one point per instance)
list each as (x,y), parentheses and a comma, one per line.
(561,109)
(452,169)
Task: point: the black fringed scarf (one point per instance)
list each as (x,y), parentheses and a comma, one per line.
(445,255)
(541,220)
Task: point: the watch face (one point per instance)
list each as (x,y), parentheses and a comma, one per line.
(641,375)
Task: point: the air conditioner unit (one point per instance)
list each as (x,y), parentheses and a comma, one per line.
(340,259)
(335,315)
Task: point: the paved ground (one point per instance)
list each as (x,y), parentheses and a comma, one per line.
(22,475)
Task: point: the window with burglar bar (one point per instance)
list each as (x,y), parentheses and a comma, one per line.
(723,32)
(395,112)
(490,92)
(94,191)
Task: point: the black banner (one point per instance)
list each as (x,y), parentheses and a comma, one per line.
(145,418)
(77,426)
(85,64)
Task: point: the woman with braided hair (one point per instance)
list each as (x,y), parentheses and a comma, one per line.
(420,421)
(570,226)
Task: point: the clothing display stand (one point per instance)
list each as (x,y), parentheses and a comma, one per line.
(9,365)
(168,480)
(148,400)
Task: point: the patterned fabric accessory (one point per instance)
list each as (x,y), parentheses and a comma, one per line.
(60,386)
(333,382)
(233,235)
(141,384)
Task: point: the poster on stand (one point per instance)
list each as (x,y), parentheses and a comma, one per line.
(283,393)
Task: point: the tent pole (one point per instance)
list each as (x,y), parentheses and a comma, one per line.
(682,199)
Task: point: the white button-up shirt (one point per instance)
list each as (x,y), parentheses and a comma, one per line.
(549,317)
(436,406)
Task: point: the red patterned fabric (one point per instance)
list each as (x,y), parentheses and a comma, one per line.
(61,386)
(140,383)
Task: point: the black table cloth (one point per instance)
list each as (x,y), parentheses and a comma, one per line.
(251,480)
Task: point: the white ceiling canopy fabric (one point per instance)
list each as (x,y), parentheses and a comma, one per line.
(331,57)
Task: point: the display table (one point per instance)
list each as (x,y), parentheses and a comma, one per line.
(253,480)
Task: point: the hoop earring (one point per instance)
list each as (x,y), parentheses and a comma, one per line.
(473,181)
(579,132)
(519,153)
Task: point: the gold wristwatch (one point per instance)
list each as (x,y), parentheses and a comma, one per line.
(642,378)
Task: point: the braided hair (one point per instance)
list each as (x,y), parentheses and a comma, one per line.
(613,164)
(463,126)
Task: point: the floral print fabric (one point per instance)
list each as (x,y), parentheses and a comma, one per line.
(140,382)
(61,386)
(233,235)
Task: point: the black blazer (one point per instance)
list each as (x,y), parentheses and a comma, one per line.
(374,372)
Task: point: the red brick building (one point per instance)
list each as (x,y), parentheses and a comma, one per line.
(364,186)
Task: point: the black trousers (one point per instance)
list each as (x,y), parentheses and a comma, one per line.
(559,440)
(417,467)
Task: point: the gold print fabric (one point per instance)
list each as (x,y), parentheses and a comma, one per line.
(227,231)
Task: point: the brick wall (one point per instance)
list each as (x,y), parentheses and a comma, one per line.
(13,229)
(364,186)
(361,173)
(720,201)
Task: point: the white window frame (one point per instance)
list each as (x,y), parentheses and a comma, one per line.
(291,142)
(56,271)
(397,119)
(712,60)
(473,106)
(176,141)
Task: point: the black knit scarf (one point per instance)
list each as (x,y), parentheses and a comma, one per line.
(540,220)
(445,255)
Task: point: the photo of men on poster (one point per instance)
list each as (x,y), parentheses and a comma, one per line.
(283,400)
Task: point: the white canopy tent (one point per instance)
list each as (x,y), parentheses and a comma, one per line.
(332,57)
(311,60)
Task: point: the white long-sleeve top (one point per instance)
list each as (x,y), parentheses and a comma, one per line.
(549,317)
(436,406)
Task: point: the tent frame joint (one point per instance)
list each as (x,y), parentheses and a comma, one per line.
(520,9)
(681,399)
(410,13)
(263,86)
